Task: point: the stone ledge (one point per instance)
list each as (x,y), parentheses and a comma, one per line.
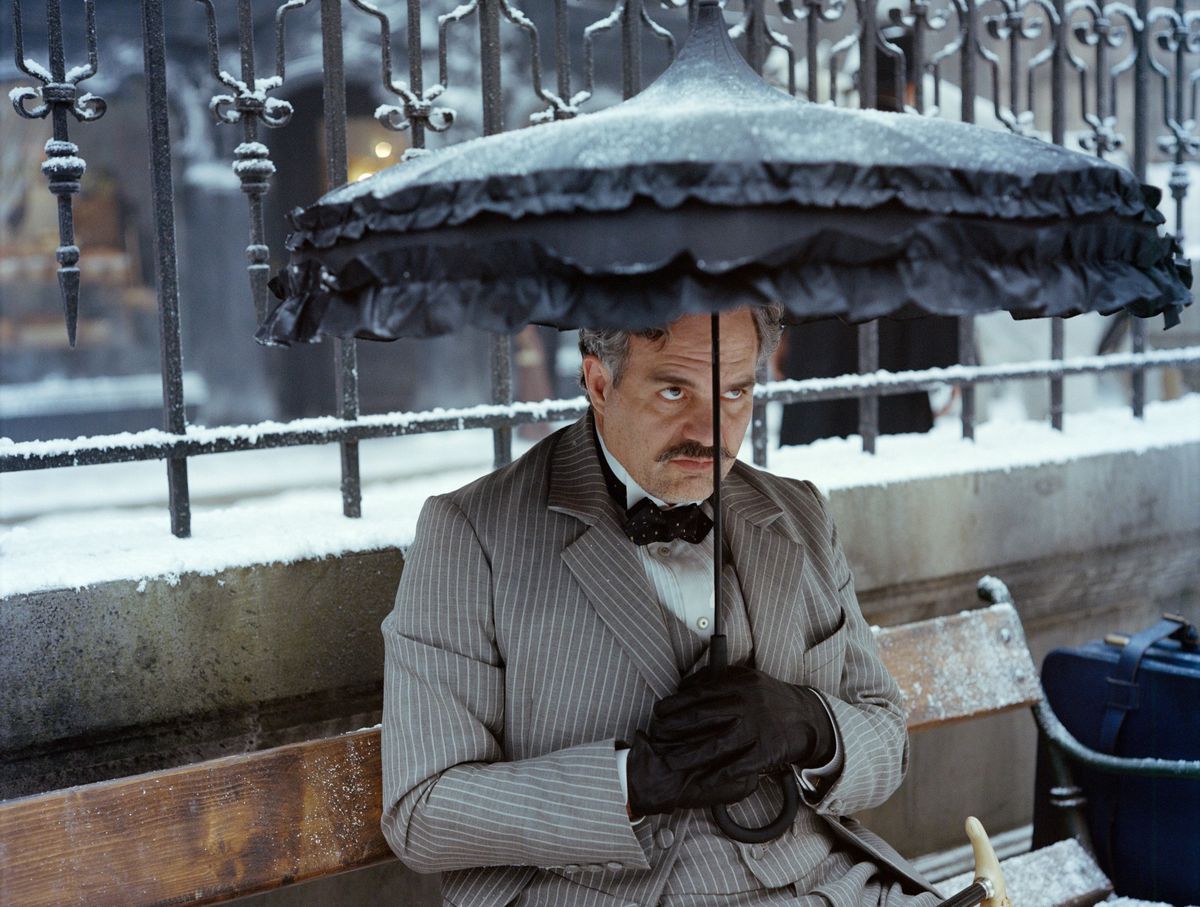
(928,528)
(110,675)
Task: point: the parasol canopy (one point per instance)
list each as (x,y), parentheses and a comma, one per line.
(711,190)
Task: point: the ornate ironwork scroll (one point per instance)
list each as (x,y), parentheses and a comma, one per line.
(1102,30)
(758,37)
(249,104)
(1177,32)
(1016,23)
(840,51)
(954,47)
(416,110)
(57,96)
(631,15)
(812,13)
(921,19)
(1105,30)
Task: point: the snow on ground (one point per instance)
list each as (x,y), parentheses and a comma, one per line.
(92,524)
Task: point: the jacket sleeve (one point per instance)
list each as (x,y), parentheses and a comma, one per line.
(450,799)
(867,706)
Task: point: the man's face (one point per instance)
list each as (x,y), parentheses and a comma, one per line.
(658,419)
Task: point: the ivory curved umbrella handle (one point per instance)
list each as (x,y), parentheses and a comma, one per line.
(987,867)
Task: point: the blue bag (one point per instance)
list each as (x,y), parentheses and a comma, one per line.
(1133,697)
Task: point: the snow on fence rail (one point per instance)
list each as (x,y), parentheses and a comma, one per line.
(196,441)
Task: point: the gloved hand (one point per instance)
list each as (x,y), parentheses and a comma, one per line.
(743,720)
(710,742)
(663,778)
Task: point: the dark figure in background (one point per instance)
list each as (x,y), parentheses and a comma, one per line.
(827,348)
(824,349)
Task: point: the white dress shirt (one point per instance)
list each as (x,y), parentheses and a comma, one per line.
(681,572)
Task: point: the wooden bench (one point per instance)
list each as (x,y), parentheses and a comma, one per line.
(243,824)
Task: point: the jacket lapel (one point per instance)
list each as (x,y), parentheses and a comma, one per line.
(605,562)
(770,568)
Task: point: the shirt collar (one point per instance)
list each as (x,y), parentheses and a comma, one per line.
(633,491)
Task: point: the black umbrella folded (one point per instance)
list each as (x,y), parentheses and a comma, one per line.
(711,190)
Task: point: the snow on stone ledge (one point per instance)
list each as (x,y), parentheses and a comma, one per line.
(70,551)
(60,551)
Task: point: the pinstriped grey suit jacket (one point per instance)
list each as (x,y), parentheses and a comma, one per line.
(526,639)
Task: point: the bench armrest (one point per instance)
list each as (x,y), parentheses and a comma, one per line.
(1146,767)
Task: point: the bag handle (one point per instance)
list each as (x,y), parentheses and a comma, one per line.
(1122,699)
(1122,683)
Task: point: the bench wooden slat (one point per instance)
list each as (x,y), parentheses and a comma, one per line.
(199,834)
(967,665)
(214,830)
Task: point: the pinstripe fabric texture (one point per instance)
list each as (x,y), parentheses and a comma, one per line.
(526,641)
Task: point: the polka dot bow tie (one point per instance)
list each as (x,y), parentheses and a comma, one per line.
(647,523)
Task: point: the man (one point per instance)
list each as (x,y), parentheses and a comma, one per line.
(550,735)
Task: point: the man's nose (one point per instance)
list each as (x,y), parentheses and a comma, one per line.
(699,424)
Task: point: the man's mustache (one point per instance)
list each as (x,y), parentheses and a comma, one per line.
(693,450)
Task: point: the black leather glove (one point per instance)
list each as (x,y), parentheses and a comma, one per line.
(664,777)
(743,720)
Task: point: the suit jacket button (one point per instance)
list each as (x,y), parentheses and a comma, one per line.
(571,868)
(664,838)
(757,852)
(613,866)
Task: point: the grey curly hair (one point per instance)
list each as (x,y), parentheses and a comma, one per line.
(611,347)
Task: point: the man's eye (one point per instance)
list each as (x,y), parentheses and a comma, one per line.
(735,394)
(671,393)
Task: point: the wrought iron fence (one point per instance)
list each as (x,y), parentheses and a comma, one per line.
(1110,78)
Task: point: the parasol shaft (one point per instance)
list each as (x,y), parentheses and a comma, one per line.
(976,893)
(718,656)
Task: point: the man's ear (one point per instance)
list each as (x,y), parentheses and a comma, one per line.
(597,381)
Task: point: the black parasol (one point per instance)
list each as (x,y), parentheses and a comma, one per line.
(709,191)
